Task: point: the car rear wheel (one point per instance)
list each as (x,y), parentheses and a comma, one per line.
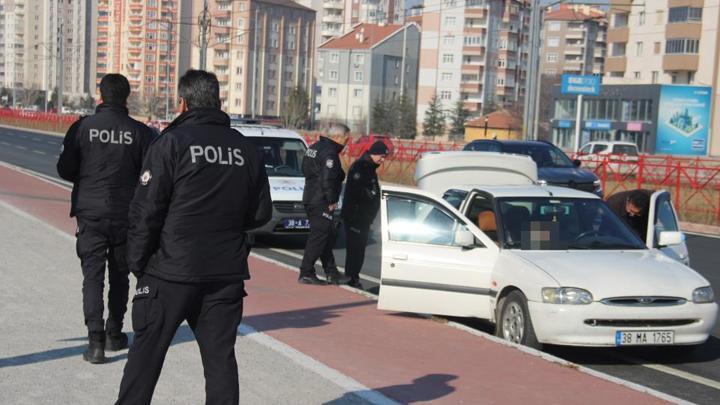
(514,323)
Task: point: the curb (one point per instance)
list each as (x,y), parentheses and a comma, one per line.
(37,131)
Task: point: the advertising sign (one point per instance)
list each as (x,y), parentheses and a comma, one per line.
(588,85)
(683,120)
(564,124)
(601,125)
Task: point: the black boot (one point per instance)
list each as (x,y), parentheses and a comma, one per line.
(116,340)
(95,353)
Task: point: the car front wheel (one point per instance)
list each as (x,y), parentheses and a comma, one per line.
(514,323)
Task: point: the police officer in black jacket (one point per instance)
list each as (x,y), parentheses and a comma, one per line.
(102,155)
(323,183)
(203,186)
(361,203)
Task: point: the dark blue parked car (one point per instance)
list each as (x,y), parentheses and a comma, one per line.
(554,166)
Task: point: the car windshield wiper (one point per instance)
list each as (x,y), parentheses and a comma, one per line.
(601,245)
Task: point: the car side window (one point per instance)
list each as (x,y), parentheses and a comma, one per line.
(416,220)
(664,217)
(585,149)
(599,148)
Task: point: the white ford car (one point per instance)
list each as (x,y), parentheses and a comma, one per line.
(283,151)
(545,264)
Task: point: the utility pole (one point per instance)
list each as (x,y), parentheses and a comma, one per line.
(168,52)
(61,68)
(255,61)
(531,78)
(404,54)
(204,23)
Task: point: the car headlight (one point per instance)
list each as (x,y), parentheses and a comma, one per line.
(597,184)
(703,295)
(566,295)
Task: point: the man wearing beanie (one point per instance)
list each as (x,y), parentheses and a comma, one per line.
(360,206)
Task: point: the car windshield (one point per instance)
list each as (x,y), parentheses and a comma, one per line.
(283,156)
(543,155)
(549,223)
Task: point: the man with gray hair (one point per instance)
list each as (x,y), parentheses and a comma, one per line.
(202,187)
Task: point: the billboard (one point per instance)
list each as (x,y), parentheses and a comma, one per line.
(683,120)
(588,85)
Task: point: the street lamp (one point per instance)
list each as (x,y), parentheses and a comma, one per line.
(486,123)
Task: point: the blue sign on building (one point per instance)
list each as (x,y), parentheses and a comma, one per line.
(588,85)
(564,124)
(600,125)
(683,120)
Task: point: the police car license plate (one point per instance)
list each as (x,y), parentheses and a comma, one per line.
(296,223)
(647,337)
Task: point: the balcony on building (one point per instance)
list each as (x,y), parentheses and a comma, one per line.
(471,87)
(473,50)
(223,78)
(681,62)
(615,64)
(574,51)
(332,18)
(333,5)
(136,5)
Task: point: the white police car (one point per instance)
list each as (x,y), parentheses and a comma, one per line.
(283,151)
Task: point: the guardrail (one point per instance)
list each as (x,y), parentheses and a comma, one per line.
(37,120)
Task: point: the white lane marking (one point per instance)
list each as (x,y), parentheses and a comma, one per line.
(299,256)
(5,143)
(52,143)
(536,353)
(39,152)
(37,140)
(345,382)
(23,136)
(20,147)
(670,370)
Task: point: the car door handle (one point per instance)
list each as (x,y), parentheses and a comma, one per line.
(400,257)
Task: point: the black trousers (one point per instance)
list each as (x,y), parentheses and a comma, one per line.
(213,311)
(356,238)
(101,241)
(320,241)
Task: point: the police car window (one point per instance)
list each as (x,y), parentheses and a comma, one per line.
(282,156)
(585,149)
(625,150)
(664,217)
(599,148)
(418,221)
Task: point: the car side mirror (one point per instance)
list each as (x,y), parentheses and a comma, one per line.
(464,238)
(577,162)
(670,238)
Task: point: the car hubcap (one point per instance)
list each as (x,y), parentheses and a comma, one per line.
(513,323)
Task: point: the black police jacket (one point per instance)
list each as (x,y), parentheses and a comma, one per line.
(323,173)
(361,200)
(202,186)
(102,155)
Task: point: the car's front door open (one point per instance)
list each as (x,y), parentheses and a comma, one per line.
(662,217)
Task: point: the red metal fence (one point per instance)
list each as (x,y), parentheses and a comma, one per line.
(37,120)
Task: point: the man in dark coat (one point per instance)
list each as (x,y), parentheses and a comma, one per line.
(323,183)
(361,203)
(102,155)
(203,186)
(633,208)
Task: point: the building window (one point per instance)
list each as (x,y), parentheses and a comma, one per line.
(551,57)
(501,63)
(553,42)
(238,86)
(682,45)
(618,48)
(357,93)
(447,58)
(357,111)
(641,18)
(617,74)
(448,40)
(450,21)
(554,26)
(638,48)
(359,58)
(446,76)
(275,26)
(500,81)
(358,76)
(638,75)
(655,75)
(237,102)
(684,14)
(333,75)
(658,48)
(660,17)
(332,92)
(445,95)
(620,20)
(334,57)
(691,77)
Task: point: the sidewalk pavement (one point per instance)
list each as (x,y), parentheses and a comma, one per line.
(299,344)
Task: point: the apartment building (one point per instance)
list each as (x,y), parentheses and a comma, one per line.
(667,42)
(146,41)
(36,34)
(363,66)
(573,40)
(475,51)
(260,50)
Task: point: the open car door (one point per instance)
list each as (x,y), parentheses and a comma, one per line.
(664,230)
(433,259)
